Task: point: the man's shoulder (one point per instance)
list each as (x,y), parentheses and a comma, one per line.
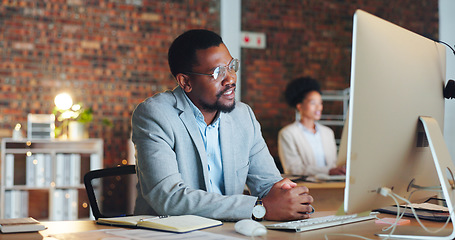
(162,97)
(159,104)
(159,100)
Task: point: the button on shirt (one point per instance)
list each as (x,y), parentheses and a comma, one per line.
(315,141)
(211,136)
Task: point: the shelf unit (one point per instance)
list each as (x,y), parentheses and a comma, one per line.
(335,119)
(43,178)
(335,110)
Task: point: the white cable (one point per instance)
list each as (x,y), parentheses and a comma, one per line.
(388,192)
(417,217)
(430,188)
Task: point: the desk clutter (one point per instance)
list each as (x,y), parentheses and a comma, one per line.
(140,234)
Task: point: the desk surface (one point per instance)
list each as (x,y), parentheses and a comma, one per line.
(322,185)
(328,196)
(366,229)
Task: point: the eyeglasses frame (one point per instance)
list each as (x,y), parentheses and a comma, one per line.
(231,66)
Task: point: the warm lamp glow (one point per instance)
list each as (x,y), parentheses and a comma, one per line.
(63,101)
(76,107)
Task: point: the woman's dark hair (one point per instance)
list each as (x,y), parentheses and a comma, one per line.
(182,52)
(297,89)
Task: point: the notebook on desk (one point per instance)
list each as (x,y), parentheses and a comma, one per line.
(17,225)
(178,224)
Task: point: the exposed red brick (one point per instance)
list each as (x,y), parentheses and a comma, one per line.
(111,55)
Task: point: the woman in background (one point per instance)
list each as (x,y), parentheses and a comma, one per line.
(306,147)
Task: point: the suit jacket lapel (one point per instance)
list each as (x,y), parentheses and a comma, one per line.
(189,121)
(227,153)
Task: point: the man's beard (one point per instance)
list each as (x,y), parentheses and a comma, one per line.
(217,106)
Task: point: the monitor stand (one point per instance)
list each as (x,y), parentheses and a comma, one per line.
(446,172)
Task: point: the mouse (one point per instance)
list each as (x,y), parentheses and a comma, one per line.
(249,227)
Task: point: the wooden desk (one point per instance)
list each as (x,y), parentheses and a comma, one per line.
(328,196)
(365,229)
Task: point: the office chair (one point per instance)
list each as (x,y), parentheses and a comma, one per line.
(102,173)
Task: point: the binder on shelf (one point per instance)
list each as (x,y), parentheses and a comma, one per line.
(57,205)
(95,161)
(65,205)
(30,170)
(72,203)
(39,170)
(65,202)
(9,170)
(9,204)
(23,207)
(75,175)
(59,169)
(67,170)
(17,200)
(48,169)
(16,204)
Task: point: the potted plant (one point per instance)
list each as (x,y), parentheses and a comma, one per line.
(73,122)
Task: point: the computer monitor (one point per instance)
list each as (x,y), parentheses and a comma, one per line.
(397,77)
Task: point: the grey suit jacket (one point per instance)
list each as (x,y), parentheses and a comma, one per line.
(172,166)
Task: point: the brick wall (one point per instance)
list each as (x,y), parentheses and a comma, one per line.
(111,55)
(311,38)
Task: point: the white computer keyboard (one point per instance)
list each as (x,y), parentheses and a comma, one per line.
(320,222)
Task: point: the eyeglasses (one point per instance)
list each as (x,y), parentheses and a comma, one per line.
(220,72)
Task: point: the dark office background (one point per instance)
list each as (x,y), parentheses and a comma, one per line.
(112,54)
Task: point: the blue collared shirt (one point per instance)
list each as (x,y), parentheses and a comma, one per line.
(211,136)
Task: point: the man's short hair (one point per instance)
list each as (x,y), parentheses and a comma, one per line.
(182,52)
(297,89)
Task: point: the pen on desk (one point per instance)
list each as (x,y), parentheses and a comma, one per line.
(156,217)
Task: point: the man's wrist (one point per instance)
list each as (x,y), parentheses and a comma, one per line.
(259,211)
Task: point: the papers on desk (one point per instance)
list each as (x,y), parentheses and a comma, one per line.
(140,234)
(427,211)
(429,207)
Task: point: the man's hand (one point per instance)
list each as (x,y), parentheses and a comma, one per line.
(286,201)
(286,184)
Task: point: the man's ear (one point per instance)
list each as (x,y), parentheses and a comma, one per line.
(184,82)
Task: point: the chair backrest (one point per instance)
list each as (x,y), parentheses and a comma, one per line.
(103,173)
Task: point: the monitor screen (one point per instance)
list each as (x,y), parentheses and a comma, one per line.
(396,77)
